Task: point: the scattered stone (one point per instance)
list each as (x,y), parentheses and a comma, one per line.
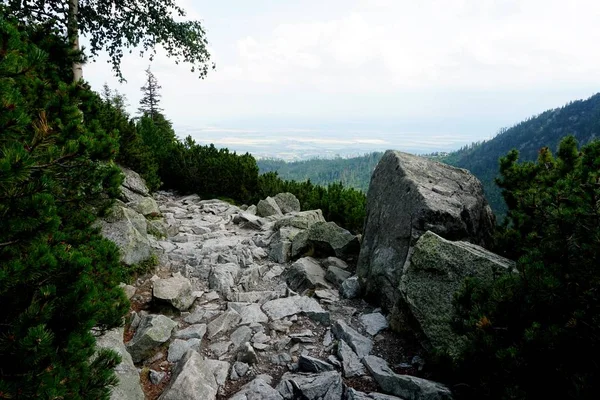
(223,323)
(312,364)
(306,273)
(238,370)
(350,362)
(153,331)
(322,386)
(334,262)
(246,354)
(353,394)
(192,332)
(201,315)
(281,359)
(146,206)
(360,344)
(156,377)
(268,207)
(281,252)
(192,379)
(179,347)
(350,288)
(241,335)
(258,389)
(373,323)
(287,202)
(220,348)
(128,386)
(327,295)
(326,239)
(301,220)
(336,275)
(250,312)
(176,291)
(334,361)
(327,338)
(288,306)
(128,289)
(405,386)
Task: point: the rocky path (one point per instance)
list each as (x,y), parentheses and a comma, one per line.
(229,315)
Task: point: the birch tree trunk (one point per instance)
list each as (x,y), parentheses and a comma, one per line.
(73,33)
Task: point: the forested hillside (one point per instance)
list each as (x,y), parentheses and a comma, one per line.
(351,172)
(580,118)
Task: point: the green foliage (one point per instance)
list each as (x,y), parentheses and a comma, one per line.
(58,276)
(211,172)
(150,96)
(580,118)
(352,172)
(534,334)
(133,152)
(112,26)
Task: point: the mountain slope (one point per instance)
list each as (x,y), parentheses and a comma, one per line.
(580,118)
(352,172)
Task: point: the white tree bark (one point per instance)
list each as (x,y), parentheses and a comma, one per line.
(73,33)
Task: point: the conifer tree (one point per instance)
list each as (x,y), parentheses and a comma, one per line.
(149,104)
(58,276)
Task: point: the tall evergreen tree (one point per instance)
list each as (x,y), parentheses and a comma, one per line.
(149,103)
(58,276)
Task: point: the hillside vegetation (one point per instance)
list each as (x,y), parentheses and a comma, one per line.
(352,172)
(579,118)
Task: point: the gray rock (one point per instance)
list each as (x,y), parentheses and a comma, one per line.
(373,323)
(134,182)
(222,277)
(257,389)
(268,207)
(223,323)
(352,394)
(179,347)
(259,297)
(281,359)
(287,202)
(405,386)
(192,379)
(128,289)
(281,252)
(434,273)
(196,331)
(241,335)
(127,229)
(251,209)
(128,386)
(326,239)
(360,344)
(322,386)
(306,273)
(350,288)
(246,354)
(249,221)
(220,348)
(146,206)
(350,362)
(301,220)
(334,262)
(153,331)
(312,364)
(201,315)
(176,291)
(250,312)
(288,306)
(409,195)
(336,275)
(156,377)
(240,368)
(158,228)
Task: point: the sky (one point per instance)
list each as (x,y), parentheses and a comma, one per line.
(326,76)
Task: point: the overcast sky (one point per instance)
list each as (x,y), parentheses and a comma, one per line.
(436,67)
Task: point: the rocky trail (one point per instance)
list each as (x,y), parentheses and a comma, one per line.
(249,307)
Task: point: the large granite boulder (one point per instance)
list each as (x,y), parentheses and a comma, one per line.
(268,207)
(322,386)
(128,230)
(434,273)
(133,187)
(300,220)
(128,387)
(287,202)
(325,239)
(306,273)
(409,195)
(194,378)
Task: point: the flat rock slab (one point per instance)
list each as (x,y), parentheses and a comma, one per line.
(353,394)
(361,345)
(405,386)
(288,306)
(250,312)
(322,386)
(306,273)
(312,364)
(223,323)
(179,347)
(373,323)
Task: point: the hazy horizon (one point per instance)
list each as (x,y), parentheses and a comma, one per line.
(346,76)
